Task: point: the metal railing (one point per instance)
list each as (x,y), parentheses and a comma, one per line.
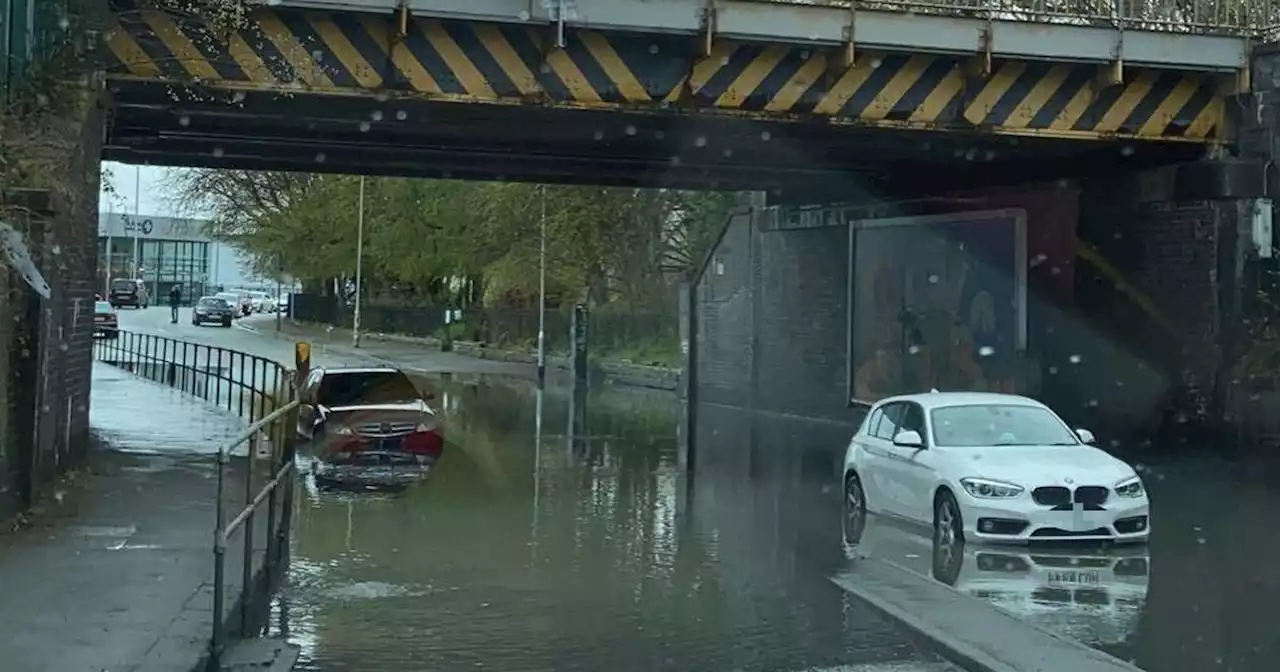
(263,392)
(247,385)
(1244,18)
(257,579)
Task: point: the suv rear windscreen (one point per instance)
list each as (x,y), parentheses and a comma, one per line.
(124,286)
(213,303)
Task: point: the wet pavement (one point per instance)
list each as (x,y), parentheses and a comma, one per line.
(580,545)
(114,575)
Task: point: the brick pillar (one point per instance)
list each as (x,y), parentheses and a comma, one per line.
(1181,237)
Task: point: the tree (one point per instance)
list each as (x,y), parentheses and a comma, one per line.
(451,242)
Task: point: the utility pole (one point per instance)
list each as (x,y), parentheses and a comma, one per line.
(355,323)
(279,273)
(542,294)
(137,183)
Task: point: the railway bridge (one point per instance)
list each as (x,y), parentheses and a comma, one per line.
(1121,147)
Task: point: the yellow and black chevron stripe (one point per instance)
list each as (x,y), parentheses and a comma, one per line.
(360,53)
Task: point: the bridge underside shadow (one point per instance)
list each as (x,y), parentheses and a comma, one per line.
(208,127)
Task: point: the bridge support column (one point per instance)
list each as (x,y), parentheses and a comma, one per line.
(1185,235)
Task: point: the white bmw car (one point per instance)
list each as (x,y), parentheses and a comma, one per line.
(989,468)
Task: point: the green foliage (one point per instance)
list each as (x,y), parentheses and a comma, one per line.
(443,242)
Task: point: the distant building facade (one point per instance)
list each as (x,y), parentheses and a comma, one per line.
(169,251)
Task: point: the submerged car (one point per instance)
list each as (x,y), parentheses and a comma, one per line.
(363,421)
(212,309)
(105,320)
(989,468)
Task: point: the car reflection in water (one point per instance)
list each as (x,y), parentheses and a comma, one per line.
(1092,593)
(368,427)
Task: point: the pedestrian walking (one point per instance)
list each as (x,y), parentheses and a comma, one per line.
(175,299)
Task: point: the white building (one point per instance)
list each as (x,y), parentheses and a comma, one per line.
(168,251)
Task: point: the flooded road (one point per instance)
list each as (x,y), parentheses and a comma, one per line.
(583,546)
(565,553)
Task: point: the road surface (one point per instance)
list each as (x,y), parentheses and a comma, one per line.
(533,549)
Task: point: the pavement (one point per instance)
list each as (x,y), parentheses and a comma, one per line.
(114,575)
(424,355)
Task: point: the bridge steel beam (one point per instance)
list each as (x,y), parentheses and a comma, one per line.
(296,52)
(951,30)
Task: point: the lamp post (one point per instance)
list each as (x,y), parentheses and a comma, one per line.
(542,294)
(355,322)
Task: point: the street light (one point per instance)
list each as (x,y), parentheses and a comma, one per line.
(355,322)
(542,294)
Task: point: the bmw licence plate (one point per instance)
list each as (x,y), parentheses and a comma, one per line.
(1077,577)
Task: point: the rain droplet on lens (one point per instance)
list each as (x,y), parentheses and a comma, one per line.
(675,160)
(701,141)
(915,349)
(933,279)
(727,153)
(402,115)
(766,136)
(598,135)
(320,157)
(217,152)
(658,135)
(1074,359)
(184,120)
(364,126)
(630,130)
(653,48)
(986,351)
(376,115)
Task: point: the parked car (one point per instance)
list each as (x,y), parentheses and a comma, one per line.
(129,292)
(105,320)
(989,468)
(358,419)
(262,302)
(212,309)
(238,300)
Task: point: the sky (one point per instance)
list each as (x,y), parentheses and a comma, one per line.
(151,195)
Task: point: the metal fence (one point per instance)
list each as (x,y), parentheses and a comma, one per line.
(1245,18)
(611,329)
(262,392)
(247,385)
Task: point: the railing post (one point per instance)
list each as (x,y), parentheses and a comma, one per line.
(246,572)
(219,563)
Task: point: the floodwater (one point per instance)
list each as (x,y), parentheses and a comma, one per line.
(573,546)
(579,545)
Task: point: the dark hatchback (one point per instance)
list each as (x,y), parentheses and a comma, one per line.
(368,424)
(212,309)
(128,292)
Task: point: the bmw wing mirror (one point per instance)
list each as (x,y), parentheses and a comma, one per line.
(908,439)
(1086,436)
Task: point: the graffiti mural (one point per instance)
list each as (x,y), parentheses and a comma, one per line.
(937,302)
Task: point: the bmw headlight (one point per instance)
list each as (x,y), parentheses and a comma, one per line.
(987,489)
(1130,487)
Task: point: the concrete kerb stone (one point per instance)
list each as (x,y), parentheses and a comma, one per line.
(1012,645)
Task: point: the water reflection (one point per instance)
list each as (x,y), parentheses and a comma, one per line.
(538,548)
(560,533)
(1090,593)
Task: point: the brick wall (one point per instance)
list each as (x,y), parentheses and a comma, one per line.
(773,307)
(48,343)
